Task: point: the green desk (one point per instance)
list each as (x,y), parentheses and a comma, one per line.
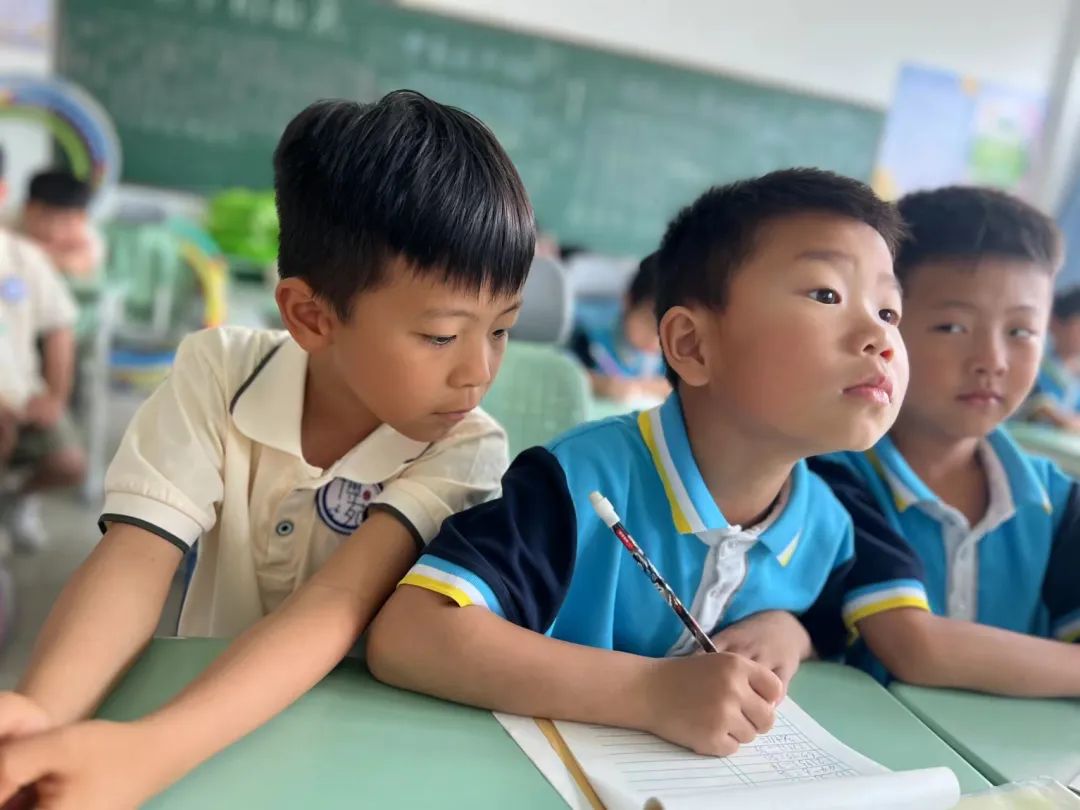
(352,742)
(1006,739)
(1059,446)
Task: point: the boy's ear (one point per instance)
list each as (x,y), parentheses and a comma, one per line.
(309,319)
(683,334)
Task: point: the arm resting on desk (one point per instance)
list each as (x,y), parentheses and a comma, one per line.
(928,650)
(711,703)
(117,765)
(103,618)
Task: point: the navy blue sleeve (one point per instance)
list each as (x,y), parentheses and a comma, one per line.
(886,572)
(823,619)
(1061,586)
(513,555)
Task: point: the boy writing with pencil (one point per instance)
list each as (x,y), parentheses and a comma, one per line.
(995,532)
(621,350)
(778,315)
(310,465)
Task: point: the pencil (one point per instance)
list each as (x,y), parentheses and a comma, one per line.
(607,514)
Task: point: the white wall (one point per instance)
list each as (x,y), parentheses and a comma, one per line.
(844,48)
(26,145)
(848,49)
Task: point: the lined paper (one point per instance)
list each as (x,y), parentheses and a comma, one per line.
(796,759)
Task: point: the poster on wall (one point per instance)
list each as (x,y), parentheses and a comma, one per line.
(945,128)
(26,23)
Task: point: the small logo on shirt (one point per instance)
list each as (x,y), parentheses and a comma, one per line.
(12,290)
(342,504)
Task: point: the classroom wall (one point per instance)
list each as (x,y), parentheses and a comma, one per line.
(847,49)
(842,48)
(26,145)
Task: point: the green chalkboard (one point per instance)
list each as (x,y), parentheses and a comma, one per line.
(609,146)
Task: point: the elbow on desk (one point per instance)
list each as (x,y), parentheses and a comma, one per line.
(387,641)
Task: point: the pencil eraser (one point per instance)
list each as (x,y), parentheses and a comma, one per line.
(604,509)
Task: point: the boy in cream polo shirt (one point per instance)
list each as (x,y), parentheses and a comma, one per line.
(329,454)
(37,369)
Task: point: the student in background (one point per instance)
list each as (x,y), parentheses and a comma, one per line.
(37,370)
(621,350)
(778,310)
(310,466)
(56,216)
(995,532)
(1055,400)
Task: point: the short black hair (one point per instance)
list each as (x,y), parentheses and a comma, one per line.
(709,240)
(1066,304)
(642,287)
(969,222)
(358,184)
(59,188)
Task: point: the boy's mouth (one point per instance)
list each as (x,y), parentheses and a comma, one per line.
(982,398)
(877,389)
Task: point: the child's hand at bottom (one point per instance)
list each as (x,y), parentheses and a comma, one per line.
(95,765)
(711,703)
(773,638)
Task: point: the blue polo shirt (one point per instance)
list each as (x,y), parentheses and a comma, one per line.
(540,557)
(1018,568)
(1055,385)
(598,342)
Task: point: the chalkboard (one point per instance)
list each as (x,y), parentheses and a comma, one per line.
(609,146)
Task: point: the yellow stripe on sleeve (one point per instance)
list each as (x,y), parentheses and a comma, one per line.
(457,595)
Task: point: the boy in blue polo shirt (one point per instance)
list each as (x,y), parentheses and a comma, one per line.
(778,310)
(996,532)
(1055,399)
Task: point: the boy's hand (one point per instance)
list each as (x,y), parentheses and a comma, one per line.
(19,716)
(44,410)
(95,765)
(773,638)
(712,703)
(9,431)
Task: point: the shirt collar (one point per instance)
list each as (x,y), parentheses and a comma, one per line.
(693,510)
(269,407)
(1009,475)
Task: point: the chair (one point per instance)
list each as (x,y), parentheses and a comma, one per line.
(540,390)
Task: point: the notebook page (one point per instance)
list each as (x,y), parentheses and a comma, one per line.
(629,767)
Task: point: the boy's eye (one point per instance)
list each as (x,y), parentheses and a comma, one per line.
(440,340)
(825,296)
(1022,332)
(890,316)
(500,334)
(949,328)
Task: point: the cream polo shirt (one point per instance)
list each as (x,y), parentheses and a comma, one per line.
(214,455)
(33,302)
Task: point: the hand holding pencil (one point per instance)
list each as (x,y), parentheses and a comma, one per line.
(709,703)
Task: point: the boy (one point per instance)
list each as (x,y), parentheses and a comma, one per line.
(996,532)
(1056,396)
(327,455)
(621,351)
(778,311)
(37,371)
(55,216)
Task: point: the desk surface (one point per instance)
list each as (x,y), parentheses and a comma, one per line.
(1006,739)
(1041,440)
(352,737)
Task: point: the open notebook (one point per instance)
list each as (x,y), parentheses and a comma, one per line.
(797,764)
